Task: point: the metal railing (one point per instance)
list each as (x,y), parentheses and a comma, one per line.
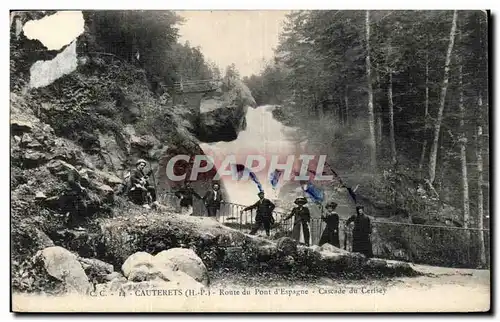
(431,244)
(196,85)
(420,244)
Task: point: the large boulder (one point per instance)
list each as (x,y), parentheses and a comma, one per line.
(177,264)
(65,267)
(185,260)
(220,122)
(137,260)
(223,117)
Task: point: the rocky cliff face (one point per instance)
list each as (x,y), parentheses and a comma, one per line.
(222,116)
(73,140)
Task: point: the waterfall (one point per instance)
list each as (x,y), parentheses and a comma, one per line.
(264,136)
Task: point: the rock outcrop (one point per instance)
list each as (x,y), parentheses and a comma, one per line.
(220,247)
(60,271)
(64,266)
(184,260)
(143,267)
(222,118)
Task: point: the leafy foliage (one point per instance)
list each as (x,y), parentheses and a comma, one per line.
(319,77)
(149,40)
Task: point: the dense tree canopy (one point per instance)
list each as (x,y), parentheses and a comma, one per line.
(149,38)
(426,77)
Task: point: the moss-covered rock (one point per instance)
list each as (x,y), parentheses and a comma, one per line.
(222,247)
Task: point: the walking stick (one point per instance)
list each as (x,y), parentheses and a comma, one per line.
(154,181)
(152,175)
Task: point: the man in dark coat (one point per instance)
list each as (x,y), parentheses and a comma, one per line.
(361,232)
(141,192)
(264,215)
(185,194)
(212,200)
(331,233)
(302,218)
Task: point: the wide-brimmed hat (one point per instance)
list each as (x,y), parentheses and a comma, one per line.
(300,201)
(140,161)
(331,205)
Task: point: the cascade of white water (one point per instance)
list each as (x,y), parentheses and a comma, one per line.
(264,136)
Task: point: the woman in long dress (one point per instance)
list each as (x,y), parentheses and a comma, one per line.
(331,233)
(302,218)
(361,233)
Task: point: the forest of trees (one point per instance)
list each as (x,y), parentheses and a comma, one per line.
(417,80)
(150,39)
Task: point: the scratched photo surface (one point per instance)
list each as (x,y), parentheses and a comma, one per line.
(250,161)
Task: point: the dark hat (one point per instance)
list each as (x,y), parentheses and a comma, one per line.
(331,204)
(260,193)
(359,207)
(300,201)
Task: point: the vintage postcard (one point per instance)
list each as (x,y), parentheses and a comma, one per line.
(250,161)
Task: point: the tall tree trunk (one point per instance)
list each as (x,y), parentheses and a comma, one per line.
(379,131)
(391,120)
(392,139)
(426,112)
(442,100)
(463,152)
(346,99)
(321,111)
(341,114)
(479,151)
(371,116)
(480,201)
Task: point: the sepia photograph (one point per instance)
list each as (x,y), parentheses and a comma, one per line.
(250,161)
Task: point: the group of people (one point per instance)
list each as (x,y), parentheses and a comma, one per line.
(212,198)
(142,192)
(361,233)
